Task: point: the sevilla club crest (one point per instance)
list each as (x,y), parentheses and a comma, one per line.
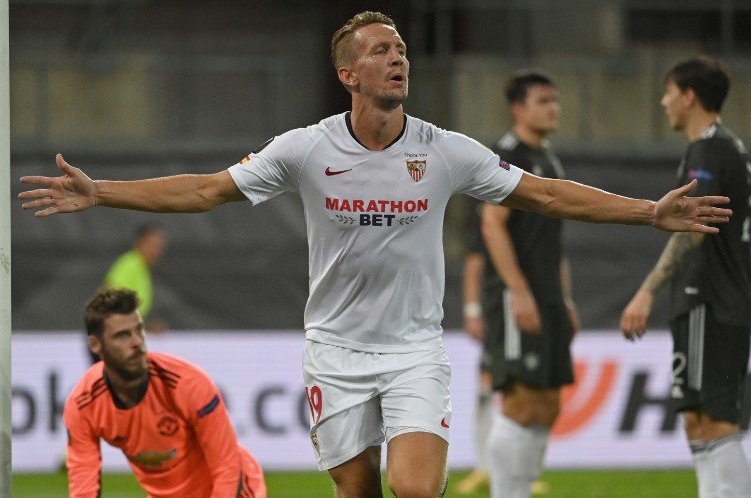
(416,169)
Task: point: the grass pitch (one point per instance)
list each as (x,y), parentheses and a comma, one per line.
(563,484)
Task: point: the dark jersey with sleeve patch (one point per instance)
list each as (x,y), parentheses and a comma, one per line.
(536,238)
(718,272)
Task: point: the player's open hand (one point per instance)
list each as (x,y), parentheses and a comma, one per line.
(635,315)
(74,191)
(676,212)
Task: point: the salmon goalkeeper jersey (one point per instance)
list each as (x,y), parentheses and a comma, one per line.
(178,438)
(375,224)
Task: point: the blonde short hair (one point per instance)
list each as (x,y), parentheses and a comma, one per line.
(341,42)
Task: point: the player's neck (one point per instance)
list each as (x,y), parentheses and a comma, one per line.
(530,137)
(128,392)
(698,124)
(376,128)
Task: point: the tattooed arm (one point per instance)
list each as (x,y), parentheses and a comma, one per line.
(636,313)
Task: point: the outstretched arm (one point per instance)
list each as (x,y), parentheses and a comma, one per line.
(566,199)
(75,191)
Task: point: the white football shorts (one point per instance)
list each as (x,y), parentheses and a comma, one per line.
(360,399)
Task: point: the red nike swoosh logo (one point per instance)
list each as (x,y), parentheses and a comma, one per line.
(331,172)
(444,424)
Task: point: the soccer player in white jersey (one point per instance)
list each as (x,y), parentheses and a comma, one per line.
(374,184)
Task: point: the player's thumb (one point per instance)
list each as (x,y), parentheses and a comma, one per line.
(63,165)
(687,188)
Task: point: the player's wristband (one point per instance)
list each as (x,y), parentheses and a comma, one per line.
(472,310)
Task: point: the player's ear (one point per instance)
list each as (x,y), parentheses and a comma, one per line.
(688,97)
(95,344)
(347,77)
(516,108)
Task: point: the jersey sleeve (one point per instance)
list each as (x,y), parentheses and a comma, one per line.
(477,171)
(705,162)
(511,157)
(207,414)
(275,168)
(84,458)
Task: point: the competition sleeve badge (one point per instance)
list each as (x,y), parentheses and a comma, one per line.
(416,168)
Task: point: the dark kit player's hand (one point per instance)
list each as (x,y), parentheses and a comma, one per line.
(74,191)
(635,315)
(475,327)
(524,309)
(677,213)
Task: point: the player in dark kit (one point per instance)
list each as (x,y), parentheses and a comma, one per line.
(710,315)
(529,312)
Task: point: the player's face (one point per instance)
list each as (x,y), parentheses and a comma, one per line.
(380,64)
(122,347)
(673,101)
(541,110)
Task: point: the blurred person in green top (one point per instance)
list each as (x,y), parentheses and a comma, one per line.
(132,270)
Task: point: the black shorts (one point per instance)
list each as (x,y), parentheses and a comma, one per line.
(710,362)
(542,360)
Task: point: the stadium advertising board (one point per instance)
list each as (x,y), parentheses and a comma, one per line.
(615,416)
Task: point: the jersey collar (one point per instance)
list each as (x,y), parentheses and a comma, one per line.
(348,120)
(118,402)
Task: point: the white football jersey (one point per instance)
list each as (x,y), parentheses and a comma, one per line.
(375,224)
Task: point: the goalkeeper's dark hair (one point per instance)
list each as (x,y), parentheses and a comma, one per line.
(518,85)
(107,302)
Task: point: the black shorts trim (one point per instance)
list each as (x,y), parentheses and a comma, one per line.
(542,361)
(710,364)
